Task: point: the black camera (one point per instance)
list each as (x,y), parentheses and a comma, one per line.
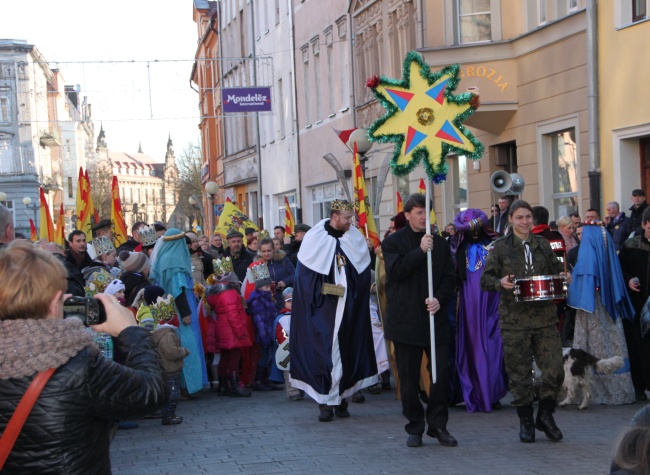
(89,311)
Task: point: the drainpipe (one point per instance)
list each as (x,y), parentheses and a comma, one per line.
(256,125)
(294,109)
(592,105)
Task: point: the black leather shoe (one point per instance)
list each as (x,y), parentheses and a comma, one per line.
(414,441)
(526,430)
(172,421)
(358,397)
(326,415)
(545,421)
(341,412)
(444,437)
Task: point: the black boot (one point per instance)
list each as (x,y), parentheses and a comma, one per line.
(545,421)
(237,389)
(223,389)
(526,424)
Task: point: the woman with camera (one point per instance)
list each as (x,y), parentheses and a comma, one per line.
(68,428)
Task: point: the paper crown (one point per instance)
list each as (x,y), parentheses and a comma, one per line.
(103,245)
(342,205)
(222,266)
(164,309)
(260,272)
(263,234)
(148,236)
(97,282)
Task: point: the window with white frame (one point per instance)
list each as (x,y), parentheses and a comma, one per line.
(460,178)
(322,197)
(5,109)
(542,12)
(628,12)
(403,187)
(474,21)
(572,5)
(564,162)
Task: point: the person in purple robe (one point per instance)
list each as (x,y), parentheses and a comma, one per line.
(479,355)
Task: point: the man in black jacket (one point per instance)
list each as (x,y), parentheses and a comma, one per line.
(405,255)
(237,253)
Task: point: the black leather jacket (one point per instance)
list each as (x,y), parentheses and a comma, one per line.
(68,429)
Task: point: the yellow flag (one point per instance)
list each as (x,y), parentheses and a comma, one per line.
(233,219)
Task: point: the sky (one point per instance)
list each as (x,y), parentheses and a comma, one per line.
(132,59)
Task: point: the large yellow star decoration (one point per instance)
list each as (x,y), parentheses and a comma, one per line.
(424,118)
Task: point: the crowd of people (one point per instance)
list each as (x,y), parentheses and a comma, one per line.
(220,311)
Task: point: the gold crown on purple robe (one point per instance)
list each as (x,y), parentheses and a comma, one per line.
(342,205)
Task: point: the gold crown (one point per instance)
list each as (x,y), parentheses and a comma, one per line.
(222,266)
(97,282)
(148,235)
(342,205)
(164,309)
(260,272)
(263,234)
(103,245)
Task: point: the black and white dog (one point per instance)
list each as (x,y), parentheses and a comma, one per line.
(578,366)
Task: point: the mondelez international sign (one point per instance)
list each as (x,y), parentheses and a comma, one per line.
(246,99)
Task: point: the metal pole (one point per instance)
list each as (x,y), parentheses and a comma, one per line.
(432,328)
(592,105)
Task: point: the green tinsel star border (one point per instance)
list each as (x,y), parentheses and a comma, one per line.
(438,173)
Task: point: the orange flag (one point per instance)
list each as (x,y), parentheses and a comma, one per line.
(362,203)
(400,205)
(117,215)
(47,228)
(33,235)
(422,188)
(289,222)
(60,228)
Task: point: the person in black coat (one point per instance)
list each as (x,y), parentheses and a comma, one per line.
(68,429)
(238,255)
(405,256)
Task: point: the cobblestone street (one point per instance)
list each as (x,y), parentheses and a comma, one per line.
(268,434)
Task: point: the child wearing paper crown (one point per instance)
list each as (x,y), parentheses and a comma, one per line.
(163,311)
(261,307)
(228,333)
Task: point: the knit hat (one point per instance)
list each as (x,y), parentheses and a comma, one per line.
(136,262)
(114,287)
(151,294)
(287,294)
(145,318)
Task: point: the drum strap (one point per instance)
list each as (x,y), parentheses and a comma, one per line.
(529,258)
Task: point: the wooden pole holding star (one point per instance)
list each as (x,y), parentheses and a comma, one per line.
(424,120)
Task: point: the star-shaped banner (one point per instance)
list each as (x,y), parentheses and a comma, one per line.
(424,118)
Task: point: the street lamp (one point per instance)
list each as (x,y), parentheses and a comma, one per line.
(195,202)
(3,196)
(360,137)
(27,201)
(211,189)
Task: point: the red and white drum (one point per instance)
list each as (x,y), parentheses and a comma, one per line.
(540,287)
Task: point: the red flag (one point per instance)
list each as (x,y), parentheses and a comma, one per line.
(33,235)
(400,205)
(344,135)
(289,222)
(432,215)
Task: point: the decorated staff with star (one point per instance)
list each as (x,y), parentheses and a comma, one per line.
(424,120)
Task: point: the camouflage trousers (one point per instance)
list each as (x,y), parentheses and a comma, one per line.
(519,347)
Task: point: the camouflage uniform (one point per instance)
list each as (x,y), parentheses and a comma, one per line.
(528,328)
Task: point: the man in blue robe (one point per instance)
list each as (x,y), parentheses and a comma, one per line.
(332,352)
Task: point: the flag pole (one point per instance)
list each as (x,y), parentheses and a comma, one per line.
(432,328)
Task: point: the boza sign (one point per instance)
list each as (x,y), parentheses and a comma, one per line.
(246,99)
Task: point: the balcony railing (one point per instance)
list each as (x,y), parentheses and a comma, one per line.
(17,161)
